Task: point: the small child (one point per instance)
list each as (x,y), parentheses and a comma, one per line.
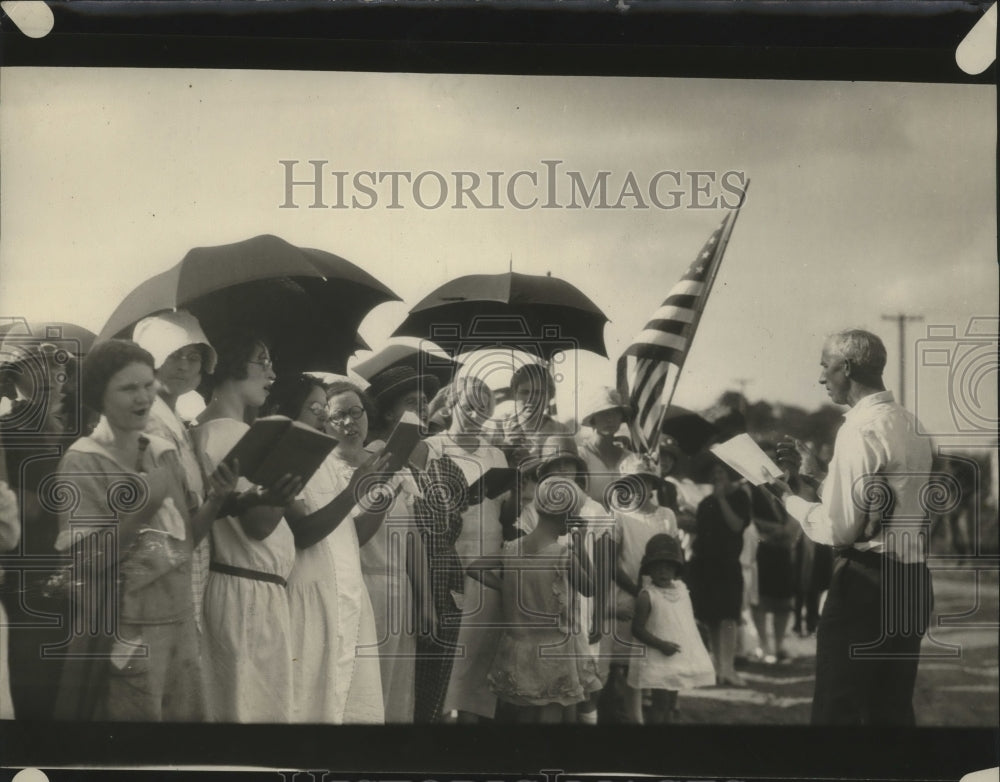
(542,664)
(675,658)
(638,517)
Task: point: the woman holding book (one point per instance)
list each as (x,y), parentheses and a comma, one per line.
(247,619)
(335,674)
(393,561)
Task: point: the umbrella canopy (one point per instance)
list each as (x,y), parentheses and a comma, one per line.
(422,355)
(538,314)
(308,302)
(691,430)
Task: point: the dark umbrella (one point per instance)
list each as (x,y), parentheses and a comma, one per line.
(308,302)
(691,431)
(538,314)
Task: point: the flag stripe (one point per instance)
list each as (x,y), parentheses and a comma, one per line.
(656,353)
(691,287)
(669,312)
(658,338)
(662,346)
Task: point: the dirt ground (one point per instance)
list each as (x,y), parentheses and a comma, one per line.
(957,682)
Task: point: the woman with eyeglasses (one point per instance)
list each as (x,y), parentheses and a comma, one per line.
(246,617)
(394,561)
(335,673)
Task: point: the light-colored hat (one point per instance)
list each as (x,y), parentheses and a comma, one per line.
(168,332)
(600,400)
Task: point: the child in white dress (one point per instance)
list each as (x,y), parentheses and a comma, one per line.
(674,657)
(638,517)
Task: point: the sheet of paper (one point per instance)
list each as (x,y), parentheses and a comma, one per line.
(745,456)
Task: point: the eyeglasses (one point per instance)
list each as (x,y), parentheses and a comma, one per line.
(265,363)
(351,413)
(186,355)
(318,409)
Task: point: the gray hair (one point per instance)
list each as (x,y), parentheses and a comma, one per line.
(862,348)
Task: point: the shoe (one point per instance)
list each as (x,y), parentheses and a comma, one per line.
(783,657)
(731,681)
(770,659)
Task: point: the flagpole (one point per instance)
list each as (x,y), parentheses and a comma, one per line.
(723,243)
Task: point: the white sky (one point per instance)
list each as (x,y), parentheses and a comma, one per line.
(866,199)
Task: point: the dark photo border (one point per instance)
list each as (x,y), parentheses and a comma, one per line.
(871,41)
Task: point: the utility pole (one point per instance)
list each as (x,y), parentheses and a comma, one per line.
(901,319)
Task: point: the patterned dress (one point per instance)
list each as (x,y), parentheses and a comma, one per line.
(541,658)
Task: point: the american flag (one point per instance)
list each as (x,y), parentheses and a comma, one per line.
(661,347)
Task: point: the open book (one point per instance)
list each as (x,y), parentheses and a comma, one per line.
(402,443)
(745,456)
(276,446)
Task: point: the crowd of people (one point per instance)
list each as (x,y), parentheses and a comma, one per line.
(596,586)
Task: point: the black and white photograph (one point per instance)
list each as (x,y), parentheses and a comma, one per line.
(359,398)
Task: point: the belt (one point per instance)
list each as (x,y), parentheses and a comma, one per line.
(242,572)
(872,559)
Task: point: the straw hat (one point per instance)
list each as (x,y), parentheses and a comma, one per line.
(399,380)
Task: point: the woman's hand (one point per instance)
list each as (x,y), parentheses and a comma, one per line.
(282,492)
(222,482)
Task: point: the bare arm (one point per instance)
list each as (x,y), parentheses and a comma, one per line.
(581,572)
(483,571)
(643,607)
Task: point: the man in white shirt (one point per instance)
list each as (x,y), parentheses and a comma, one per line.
(871,510)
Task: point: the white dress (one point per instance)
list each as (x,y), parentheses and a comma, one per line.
(671,618)
(633,529)
(247,623)
(334,679)
(383,565)
(482,612)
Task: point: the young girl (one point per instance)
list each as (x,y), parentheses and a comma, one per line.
(638,516)
(674,657)
(542,665)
